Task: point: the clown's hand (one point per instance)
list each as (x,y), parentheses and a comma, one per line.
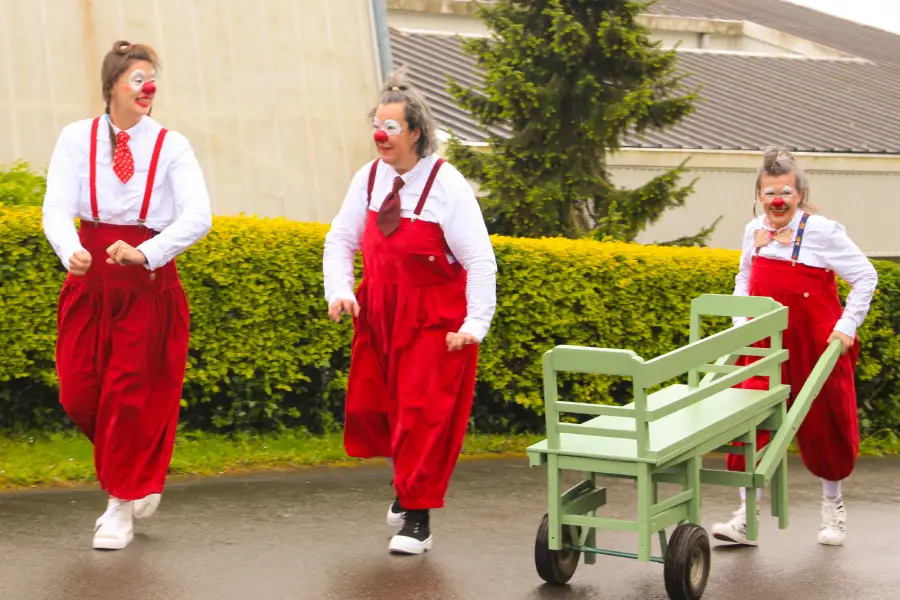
(846,340)
(121,253)
(456,341)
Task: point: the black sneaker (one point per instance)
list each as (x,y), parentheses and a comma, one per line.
(415,537)
(395,514)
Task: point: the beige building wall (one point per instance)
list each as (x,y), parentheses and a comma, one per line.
(859,192)
(272,94)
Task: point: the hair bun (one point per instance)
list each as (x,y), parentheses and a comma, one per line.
(397,81)
(122,47)
(770,155)
(773,155)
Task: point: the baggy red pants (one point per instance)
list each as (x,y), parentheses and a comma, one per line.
(408,397)
(121,355)
(828,439)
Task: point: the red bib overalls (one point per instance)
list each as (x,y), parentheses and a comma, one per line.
(121,352)
(828,439)
(408,397)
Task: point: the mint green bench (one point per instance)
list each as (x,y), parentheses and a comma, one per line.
(661,437)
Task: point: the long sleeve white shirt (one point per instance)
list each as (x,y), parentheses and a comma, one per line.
(825,245)
(451,204)
(179,207)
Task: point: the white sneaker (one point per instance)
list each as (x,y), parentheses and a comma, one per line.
(395,514)
(115,527)
(146,507)
(834,518)
(735,530)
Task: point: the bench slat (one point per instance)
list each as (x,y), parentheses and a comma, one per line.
(754,351)
(583,408)
(718,368)
(585,429)
(723,383)
(678,362)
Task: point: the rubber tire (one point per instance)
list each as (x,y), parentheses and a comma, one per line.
(556,567)
(688,543)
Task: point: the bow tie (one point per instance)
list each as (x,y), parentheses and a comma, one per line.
(763,237)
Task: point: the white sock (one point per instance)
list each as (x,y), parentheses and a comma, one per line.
(831,489)
(744,494)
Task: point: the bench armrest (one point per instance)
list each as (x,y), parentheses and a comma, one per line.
(596,361)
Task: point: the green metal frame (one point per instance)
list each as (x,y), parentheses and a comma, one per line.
(596,447)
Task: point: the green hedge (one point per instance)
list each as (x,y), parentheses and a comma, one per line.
(265,356)
(21,186)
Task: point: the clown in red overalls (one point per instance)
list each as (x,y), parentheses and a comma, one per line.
(123,322)
(793,256)
(425,302)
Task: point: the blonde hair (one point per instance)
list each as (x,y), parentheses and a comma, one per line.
(781,162)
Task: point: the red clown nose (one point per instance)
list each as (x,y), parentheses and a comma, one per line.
(381,136)
(148,88)
(778,203)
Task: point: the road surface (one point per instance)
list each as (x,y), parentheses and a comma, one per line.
(320,534)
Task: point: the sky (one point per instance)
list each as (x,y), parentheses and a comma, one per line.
(884,14)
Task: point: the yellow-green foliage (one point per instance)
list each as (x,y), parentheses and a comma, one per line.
(264,355)
(20,186)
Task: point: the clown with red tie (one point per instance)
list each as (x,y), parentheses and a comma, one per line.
(123,321)
(793,255)
(425,302)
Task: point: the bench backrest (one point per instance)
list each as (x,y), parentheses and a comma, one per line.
(714,355)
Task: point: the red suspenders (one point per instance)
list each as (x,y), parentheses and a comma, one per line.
(151,175)
(425,192)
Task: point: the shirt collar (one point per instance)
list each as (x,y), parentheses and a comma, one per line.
(136,129)
(425,164)
(794,223)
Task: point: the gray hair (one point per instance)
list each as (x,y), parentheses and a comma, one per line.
(781,162)
(397,90)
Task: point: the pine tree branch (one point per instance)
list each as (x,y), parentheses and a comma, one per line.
(699,239)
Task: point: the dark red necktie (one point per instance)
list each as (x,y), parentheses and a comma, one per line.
(389,214)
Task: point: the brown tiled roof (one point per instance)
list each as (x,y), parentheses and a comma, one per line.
(747,101)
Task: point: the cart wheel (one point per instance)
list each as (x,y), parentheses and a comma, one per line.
(687,563)
(554,566)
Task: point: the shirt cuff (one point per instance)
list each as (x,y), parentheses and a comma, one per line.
(345,295)
(475,329)
(67,254)
(152,254)
(846,326)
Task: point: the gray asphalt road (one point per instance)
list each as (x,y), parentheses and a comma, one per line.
(320,534)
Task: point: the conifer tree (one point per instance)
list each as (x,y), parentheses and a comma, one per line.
(568,79)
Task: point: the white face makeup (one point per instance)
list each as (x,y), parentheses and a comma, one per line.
(138,78)
(787,193)
(390,126)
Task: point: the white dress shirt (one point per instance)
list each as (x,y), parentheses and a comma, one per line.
(825,245)
(451,204)
(179,207)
